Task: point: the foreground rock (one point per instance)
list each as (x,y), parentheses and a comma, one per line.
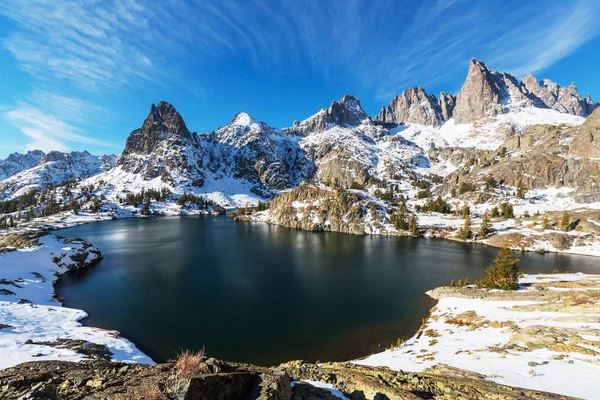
(222,380)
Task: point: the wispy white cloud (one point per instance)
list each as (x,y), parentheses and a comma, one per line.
(51,131)
(94,47)
(517,37)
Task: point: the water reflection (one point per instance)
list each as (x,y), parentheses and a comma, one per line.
(265,294)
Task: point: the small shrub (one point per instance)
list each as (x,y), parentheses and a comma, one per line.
(152,393)
(465,187)
(191,363)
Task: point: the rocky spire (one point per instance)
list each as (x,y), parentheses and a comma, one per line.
(164,147)
(163,122)
(446,102)
(480,96)
(415,106)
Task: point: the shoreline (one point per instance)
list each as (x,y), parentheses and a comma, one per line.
(426,236)
(366,360)
(35,324)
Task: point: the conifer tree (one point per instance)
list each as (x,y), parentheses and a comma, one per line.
(546,222)
(504,273)
(485,227)
(413,225)
(465,233)
(564,222)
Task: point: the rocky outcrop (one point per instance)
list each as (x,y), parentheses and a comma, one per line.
(315,209)
(587,138)
(230,381)
(345,112)
(446,102)
(544,156)
(439,382)
(415,106)
(549,94)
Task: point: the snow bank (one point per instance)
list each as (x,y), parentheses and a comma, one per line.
(28,311)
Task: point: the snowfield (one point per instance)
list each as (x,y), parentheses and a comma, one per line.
(29,311)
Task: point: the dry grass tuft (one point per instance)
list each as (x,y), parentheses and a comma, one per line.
(151,393)
(190,363)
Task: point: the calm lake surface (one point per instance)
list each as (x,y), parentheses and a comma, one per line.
(266,294)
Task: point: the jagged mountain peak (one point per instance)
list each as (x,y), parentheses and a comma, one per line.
(17,162)
(243,119)
(59,156)
(549,94)
(345,112)
(162,123)
(414,105)
(165,115)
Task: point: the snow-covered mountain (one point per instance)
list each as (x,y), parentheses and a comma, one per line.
(489,108)
(55,168)
(16,163)
(248,160)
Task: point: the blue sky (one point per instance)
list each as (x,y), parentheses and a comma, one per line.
(78,75)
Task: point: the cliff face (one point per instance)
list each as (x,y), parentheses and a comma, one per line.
(415,106)
(545,156)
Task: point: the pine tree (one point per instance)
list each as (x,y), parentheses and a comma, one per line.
(485,227)
(546,222)
(146,208)
(466,210)
(564,222)
(413,225)
(504,273)
(465,233)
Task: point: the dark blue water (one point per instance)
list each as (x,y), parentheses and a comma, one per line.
(266,294)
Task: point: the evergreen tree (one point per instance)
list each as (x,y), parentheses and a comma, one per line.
(507,210)
(546,223)
(564,222)
(146,208)
(495,213)
(466,210)
(465,233)
(486,226)
(413,225)
(504,273)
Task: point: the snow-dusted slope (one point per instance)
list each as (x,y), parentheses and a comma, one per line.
(55,168)
(265,158)
(490,133)
(16,163)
